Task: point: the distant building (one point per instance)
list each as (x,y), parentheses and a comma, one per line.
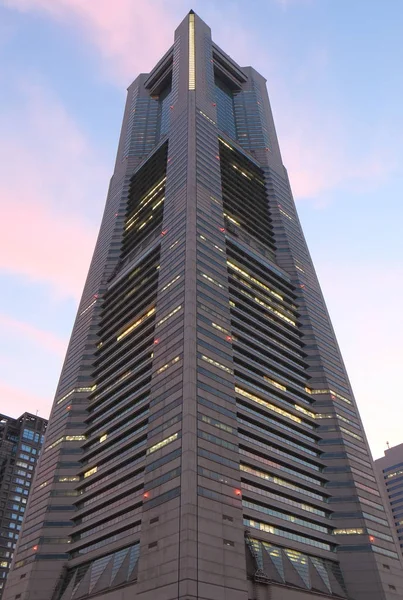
(389,469)
(20,443)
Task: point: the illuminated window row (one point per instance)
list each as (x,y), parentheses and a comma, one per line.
(285,516)
(351,531)
(242,172)
(390,475)
(354,435)
(217,424)
(168,364)
(274,450)
(133,326)
(222,329)
(90,472)
(254,280)
(212,280)
(88,307)
(234,221)
(275,383)
(286,214)
(286,534)
(268,405)
(77,391)
(206,117)
(169,315)
(297,504)
(282,482)
(192,53)
(226,145)
(146,200)
(312,391)
(217,364)
(163,443)
(202,237)
(66,438)
(168,285)
(274,311)
(271,463)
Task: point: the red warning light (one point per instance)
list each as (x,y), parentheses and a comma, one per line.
(238,493)
(146,495)
(222,229)
(35,548)
(157,341)
(371,538)
(228,338)
(164,231)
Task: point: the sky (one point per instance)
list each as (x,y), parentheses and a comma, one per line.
(334,76)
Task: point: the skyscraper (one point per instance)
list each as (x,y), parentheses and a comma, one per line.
(389,470)
(204,442)
(20,444)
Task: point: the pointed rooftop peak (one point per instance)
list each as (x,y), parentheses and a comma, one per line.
(192,12)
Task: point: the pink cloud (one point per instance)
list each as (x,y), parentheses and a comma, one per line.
(15,402)
(44,339)
(130,35)
(50,178)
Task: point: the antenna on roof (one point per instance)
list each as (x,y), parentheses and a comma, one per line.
(387,443)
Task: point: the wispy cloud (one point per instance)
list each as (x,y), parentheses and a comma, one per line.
(51,179)
(44,339)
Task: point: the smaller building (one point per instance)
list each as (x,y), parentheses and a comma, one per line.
(389,470)
(20,444)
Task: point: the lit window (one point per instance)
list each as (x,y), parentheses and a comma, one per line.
(168,364)
(217,364)
(77,391)
(136,324)
(311,391)
(275,383)
(222,329)
(163,443)
(286,214)
(169,315)
(351,531)
(272,407)
(90,472)
(88,307)
(145,201)
(206,117)
(192,52)
(254,280)
(66,438)
(103,438)
(168,285)
(212,280)
(232,220)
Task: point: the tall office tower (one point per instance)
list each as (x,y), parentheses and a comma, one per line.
(20,443)
(204,442)
(389,470)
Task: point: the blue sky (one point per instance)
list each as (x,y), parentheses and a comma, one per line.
(335,81)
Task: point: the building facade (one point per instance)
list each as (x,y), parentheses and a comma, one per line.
(389,470)
(20,444)
(204,441)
